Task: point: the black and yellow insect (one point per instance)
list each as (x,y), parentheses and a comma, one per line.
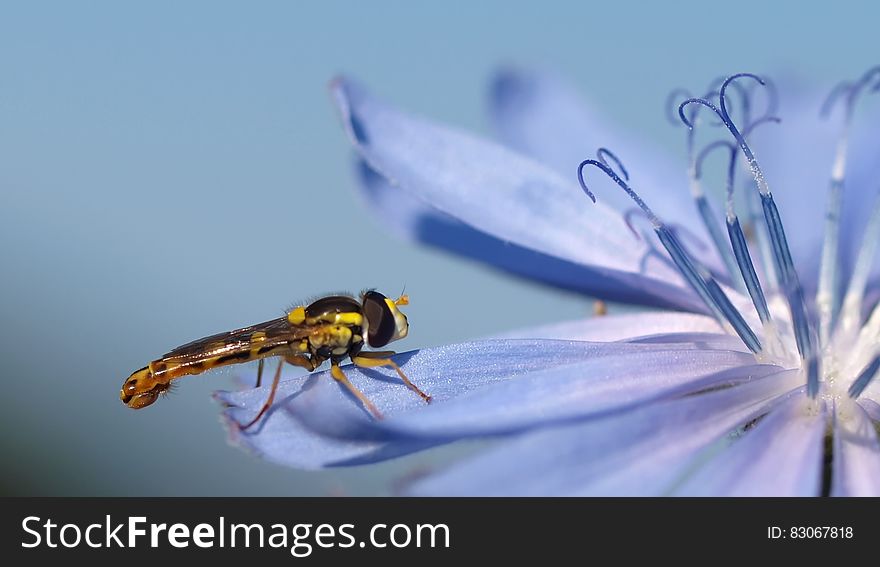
(331,328)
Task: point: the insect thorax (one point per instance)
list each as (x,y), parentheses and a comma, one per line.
(341,333)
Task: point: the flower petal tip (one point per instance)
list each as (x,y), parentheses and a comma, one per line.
(346,93)
(222,397)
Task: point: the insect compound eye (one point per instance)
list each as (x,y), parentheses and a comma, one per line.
(381,319)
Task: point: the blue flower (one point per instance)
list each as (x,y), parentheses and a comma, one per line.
(757,376)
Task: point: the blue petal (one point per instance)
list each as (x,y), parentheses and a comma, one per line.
(542,116)
(503,387)
(642,452)
(462,379)
(627,326)
(505,195)
(856,453)
(412,218)
(280,438)
(781,456)
(872,297)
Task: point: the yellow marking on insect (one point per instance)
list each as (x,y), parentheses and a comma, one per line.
(317,339)
(257,339)
(333,337)
(354,319)
(297,316)
(171,368)
(400,323)
(337,318)
(341,335)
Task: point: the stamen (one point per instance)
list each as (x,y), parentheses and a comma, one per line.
(696,275)
(869,336)
(602,153)
(671,105)
(759,231)
(627,218)
(746,102)
(762,237)
(828,294)
(851,315)
(680,230)
(744,97)
(653,252)
(759,122)
(852,91)
(704,208)
(865,377)
(709,220)
(737,237)
(772,94)
(786,271)
(841,88)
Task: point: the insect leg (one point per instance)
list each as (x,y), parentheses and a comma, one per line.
(339,376)
(260,371)
(380,358)
(271,399)
(297,360)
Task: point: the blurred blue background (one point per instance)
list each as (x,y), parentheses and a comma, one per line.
(160,162)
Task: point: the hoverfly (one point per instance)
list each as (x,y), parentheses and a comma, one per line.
(331,328)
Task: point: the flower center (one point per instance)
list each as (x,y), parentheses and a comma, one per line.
(839,355)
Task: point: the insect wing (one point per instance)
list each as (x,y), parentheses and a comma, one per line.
(269,334)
